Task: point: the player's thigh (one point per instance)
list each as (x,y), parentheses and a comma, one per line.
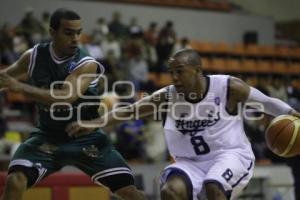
(231,173)
(99,160)
(34,159)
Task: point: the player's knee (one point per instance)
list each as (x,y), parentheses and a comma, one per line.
(130,193)
(170,190)
(16,182)
(214,192)
(167,192)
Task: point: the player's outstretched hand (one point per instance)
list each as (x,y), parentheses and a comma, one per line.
(10,83)
(295,113)
(76,129)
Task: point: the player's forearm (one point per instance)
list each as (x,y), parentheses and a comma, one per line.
(119,115)
(45,96)
(269,105)
(116,116)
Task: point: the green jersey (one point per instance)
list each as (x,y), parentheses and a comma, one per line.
(48,71)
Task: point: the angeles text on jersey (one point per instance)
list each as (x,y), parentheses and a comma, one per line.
(191,127)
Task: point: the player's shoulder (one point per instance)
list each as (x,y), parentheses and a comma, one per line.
(82,56)
(82,53)
(45,47)
(236,82)
(29,53)
(238,88)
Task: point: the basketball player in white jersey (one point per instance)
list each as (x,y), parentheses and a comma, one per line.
(203,129)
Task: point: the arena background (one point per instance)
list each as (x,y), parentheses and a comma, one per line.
(254,36)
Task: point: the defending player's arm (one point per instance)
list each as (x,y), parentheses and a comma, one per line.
(141,109)
(67,93)
(241,92)
(18,69)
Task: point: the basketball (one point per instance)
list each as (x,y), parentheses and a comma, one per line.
(282,136)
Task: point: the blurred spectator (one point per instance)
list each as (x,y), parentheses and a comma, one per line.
(135,30)
(31,28)
(155,142)
(135,67)
(3,127)
(101,30)
(151,34)
(165,44)
(278,89)
(117,27)
(293,95)
(110,63)
(8,55)
(131,140)
(184,43)
(20,44)
(150,38)
(111,44)
(150,56)
(93,47)
(46,24)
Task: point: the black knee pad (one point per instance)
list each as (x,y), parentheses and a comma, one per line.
(31,173)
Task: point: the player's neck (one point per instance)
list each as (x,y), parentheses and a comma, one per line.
(201,87)
(57,52)
(199,91)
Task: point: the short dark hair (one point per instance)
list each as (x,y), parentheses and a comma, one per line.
(191,56)
(62,13)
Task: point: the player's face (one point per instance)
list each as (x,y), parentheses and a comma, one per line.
(184,76)
(66,38)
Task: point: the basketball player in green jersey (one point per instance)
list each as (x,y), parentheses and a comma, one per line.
(55,74)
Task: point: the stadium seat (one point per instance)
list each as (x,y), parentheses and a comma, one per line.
(206,63)
(252,50)
(294,68)
(218,65)
(238,49)
(279,67)
(221,48)
(233,65)
(283,52)
(263,66)
(267,51)
(295,52)
(249,66)
(203,47)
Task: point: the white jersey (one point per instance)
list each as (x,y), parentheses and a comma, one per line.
(204,129)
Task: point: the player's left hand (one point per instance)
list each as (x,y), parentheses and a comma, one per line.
(76,129)
(295,113)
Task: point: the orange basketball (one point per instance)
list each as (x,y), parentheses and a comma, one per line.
(283,137)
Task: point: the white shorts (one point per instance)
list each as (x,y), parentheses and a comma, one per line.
(230,170)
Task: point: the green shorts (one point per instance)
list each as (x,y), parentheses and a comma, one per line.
(93,154)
